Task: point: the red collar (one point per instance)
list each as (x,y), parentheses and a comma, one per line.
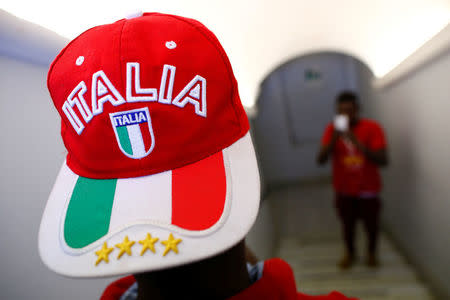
(277,283)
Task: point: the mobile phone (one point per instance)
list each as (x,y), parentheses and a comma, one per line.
(341,122)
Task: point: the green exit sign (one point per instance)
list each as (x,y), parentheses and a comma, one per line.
(312,75)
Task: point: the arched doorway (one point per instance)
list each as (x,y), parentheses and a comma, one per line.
(295,103)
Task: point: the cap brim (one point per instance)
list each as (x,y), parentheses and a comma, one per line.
(95,227)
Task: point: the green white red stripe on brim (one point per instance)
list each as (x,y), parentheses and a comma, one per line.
(75,227)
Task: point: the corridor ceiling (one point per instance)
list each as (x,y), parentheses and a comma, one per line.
(259,35)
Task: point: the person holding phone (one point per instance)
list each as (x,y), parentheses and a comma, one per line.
(358,148)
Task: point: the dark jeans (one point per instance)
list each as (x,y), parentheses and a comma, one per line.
(350,209)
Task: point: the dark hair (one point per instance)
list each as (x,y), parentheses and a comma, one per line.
(347,96)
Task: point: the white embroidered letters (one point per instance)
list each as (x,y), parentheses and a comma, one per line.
(73,118)
(102,91)
(194,93)
(76,98)
(145,94)
(167,99)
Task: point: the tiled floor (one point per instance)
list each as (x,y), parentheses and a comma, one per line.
(314,252)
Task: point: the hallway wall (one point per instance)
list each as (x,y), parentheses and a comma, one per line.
(30,157)
(414,110)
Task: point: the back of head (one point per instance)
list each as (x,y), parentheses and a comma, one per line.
(347,96)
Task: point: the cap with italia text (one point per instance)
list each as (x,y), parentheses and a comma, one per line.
(160,169)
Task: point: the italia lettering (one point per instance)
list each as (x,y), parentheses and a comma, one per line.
(130,119)
(103,91)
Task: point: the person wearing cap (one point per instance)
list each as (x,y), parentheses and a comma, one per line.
(160,179)
(358,148)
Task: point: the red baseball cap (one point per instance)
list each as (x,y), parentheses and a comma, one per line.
(160,169)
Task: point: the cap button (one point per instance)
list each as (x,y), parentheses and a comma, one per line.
(134,14)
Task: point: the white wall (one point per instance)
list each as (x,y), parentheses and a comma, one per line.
(415,111)
(31,153)
(28,42)
(260,35)
(263,239)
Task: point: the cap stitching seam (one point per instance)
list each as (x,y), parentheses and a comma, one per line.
(221,52)
(50,71)
(120,54)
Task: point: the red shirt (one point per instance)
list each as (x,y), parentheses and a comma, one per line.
(276,283)
(353,173)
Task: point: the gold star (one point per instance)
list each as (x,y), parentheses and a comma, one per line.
(148,243)
(125,246)
(103,254)
(171,244)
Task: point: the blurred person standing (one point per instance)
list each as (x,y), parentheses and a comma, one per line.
(358,148)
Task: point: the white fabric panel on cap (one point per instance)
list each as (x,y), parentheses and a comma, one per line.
(142,198)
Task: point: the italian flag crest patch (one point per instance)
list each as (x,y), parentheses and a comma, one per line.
(134,132)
